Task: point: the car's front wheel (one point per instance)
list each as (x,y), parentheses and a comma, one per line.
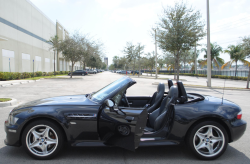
(42,139)
(208,140)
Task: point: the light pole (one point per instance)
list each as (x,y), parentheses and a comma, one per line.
(33,69)
(195,62)
(155,56)
(9,65)
(208,48)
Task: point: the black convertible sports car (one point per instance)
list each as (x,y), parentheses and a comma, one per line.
(110,118)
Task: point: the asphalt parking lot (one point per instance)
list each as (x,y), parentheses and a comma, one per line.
(237,152)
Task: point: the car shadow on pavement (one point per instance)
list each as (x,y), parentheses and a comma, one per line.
(174,154)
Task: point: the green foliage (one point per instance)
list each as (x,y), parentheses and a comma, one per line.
(4,99)
(16,75)
(180,28)
(236,54)
(213,76)
(39,73)
(112,67)
(215,55)
(246,46)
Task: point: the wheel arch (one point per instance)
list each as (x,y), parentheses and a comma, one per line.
(42,118)
(210,119)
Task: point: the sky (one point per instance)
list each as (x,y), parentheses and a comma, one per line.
(116,22)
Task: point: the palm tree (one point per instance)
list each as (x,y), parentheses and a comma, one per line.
(236,54)
(246,50)
(215,55)
(193,58)
(55,44)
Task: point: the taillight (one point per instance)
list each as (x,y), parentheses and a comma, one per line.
(239,115)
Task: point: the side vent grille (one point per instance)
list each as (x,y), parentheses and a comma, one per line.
(76,115)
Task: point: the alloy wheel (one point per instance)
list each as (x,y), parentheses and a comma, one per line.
(209,141)
(41,140)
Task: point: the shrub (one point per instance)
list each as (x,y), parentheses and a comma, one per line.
(1,75)
(39,73)
(50,73)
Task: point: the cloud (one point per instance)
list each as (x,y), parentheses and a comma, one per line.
(136,16)
(109,4)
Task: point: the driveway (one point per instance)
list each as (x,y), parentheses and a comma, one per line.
(237,152)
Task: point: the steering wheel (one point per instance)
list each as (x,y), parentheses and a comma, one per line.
(126,99)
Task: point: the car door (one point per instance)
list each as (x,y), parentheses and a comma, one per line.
(138,101)
(122,127)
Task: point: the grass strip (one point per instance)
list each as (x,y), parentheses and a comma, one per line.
(45,77)
(4,99)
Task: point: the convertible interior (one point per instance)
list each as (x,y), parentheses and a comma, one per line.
(160,105)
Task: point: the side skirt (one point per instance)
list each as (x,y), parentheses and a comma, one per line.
(144,142)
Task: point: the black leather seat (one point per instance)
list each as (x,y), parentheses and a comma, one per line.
(182,95)
(156,99)
(170,84)
(156,119)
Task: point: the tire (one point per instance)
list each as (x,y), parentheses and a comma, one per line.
(206,145)
(42,139)
(83,74)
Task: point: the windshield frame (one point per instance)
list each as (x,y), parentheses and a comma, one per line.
(111,89)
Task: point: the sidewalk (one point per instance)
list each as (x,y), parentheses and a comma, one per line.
(23,81)
(202,81)
(15,82)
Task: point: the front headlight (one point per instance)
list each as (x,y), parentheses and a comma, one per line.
(12,120)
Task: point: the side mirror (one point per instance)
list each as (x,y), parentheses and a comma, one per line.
(110,103)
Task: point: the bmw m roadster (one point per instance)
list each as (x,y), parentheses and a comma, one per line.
(110,118)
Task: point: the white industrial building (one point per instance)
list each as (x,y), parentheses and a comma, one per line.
(24,32)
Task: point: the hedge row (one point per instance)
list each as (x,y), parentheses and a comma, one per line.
(24,75)
(213,76)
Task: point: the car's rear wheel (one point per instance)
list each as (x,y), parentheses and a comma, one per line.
(83,74)
(42,139)
(208,140)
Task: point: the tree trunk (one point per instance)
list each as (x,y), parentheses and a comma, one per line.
(72,69)
(178,69)
(248,76)
(54,63)
(134,68)
(139,67)
(84,65)
(236,69)
(174,70)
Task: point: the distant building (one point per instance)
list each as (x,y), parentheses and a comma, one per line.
(24,32)
(106,61)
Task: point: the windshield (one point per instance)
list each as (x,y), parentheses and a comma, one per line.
(105,92)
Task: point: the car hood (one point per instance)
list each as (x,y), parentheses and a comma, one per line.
(61,100)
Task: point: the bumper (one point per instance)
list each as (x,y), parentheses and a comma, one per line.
(238,129)
(12,135)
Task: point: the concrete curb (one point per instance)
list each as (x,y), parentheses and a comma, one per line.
(5,85)
(21,82)
(15,83)
(8,103)
(204,87)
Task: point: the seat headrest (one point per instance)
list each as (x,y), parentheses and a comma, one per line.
(170,84)
(182,95)
(161,87)
(173,92)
